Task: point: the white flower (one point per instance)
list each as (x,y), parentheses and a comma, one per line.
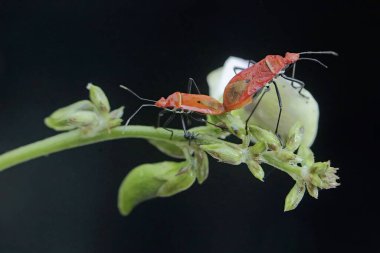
(295,107)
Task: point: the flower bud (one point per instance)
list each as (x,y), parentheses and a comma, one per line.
(258,148)
(316,180)
(295,137)
(99,99)
(306,154)
(256,169)
(319,167)
(285,155)
(265,136)
(233,123)
(67,118)
(295,196)
(82,119)
(231,154)
(312,190)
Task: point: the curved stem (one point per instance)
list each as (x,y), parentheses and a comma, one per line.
(271,159)
(75,139)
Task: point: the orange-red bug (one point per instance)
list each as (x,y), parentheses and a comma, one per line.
(247,83)
(182,103)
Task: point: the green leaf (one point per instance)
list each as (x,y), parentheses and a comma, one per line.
(168,148)
(148,181)
(295,196)
(201,166)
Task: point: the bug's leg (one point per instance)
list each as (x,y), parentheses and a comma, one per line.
(238,69)
(160,115)
(251,63)
(205,121)
(280,111)
(134,114)
(293,74)
(190,84)
(164,126)
(188,135)
(302,84)
(254,108)
(188,120)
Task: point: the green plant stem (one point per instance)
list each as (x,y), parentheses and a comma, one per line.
(75,139)
(271,159)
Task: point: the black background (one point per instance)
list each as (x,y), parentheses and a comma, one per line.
(50,50)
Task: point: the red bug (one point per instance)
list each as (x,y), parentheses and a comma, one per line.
(241,89)
(182,103)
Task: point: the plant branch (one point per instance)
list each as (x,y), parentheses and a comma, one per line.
(75,139)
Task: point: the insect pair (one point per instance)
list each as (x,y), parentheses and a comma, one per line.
(239,92)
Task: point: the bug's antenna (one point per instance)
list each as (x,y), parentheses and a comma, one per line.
(315,60)
(320,52)
(135,94)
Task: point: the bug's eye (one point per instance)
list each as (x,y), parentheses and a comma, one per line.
(198,102)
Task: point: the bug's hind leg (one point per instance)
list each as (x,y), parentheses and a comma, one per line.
(254,109)
(208,122)
(279,113)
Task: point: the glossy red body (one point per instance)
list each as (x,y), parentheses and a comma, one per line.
(244,85)
(192,102)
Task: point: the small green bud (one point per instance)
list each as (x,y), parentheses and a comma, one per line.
(316,180)
(82,119)
(295,196)
(201,166)
(99,98)
(295,136)
(233,123)
(262,135)
(117,113)
(256,169)
(320,167)
(258,148)
(312,190)
(286,156)
(231,153)
(67,118)
(306,154)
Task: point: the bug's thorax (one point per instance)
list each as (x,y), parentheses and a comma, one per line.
(172,101)
(275,63)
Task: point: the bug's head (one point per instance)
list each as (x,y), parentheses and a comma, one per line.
(161,102)
(291,57)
